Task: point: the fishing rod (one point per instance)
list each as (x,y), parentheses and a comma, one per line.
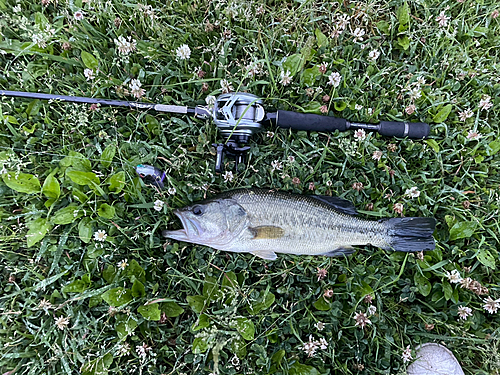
(239,115)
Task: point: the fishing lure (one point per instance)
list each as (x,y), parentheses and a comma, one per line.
(151,175)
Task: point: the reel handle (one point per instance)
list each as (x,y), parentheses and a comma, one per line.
(232,149)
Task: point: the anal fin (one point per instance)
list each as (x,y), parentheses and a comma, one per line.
(265,254)
(341,251)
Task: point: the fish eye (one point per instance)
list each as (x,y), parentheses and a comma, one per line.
(197,210)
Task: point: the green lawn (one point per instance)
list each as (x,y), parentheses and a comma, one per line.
(90,286)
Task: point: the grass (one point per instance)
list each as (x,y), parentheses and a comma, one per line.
(134,303)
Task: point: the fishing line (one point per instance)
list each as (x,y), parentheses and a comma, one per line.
(60,155)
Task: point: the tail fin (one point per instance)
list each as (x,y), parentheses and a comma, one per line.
(411,234)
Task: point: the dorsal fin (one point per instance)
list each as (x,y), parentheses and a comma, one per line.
(339,204)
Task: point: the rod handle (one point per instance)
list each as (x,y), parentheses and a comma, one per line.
(413,130)
(309,121)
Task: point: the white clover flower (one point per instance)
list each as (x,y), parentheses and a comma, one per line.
(374,55)
(123,349)
(323,344)
(172,190)
(277,165)
(62,322)
(337,30)
(320,326)
(442,19)
(45,306)
(158,205)
(89,74)
(100,235)
(410,109)
(466,282)
(406,355)
(361,320)
(343,21)
(125,45)
(377,155)
(413,192)
(464,312)
(226,86)
(235,361)
(286,77)
(210,100)
(135,88)
(474,135)
(253,69)
(310,347)
(134,84)
(358,34)
(142,351)
(372,310)
(122,264)
(334,79)
(183,52)
(358,107)
(40,40)
(464,115)
(491,305)
(360,135)
(415,93)
(228,176)
(485,103)
(322,67)
(453,276)
(398,207)
(78,15)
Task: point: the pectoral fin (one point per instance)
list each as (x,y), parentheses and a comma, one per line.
(265,254)
(341,251)
(266,231)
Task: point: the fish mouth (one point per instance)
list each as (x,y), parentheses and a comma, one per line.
(191,229)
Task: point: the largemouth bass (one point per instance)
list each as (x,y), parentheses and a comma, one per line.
(265,222)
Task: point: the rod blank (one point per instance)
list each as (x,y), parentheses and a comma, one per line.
(76,99)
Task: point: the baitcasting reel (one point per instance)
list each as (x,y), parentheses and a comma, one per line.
(238,116)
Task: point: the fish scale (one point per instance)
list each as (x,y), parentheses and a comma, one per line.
(310,226)
(265,222)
